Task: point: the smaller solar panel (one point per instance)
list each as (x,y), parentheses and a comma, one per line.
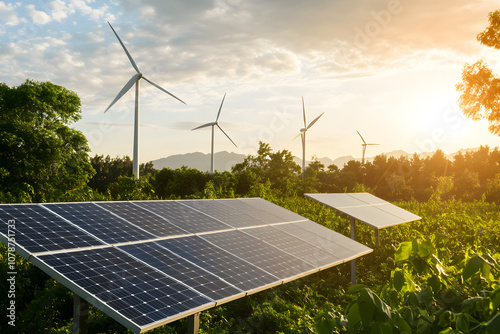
(366,208)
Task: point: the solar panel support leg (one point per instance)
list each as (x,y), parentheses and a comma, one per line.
(80,315)
(353,262)
(376,237)
(194,323)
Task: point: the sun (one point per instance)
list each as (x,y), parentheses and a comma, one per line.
(439,114)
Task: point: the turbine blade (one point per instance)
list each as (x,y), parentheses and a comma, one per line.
(300,134)
(304,111)
(226,135)
(125,89)
(220,108)
(361,137)
(125,49)
(314,121)
(204,125)
(164,90)
(372,144)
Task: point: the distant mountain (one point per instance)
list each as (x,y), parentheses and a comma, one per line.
(224,161)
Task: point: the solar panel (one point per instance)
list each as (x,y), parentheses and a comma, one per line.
(366,208)
(147,263)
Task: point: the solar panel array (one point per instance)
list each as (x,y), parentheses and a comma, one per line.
(366,208)
(147,263)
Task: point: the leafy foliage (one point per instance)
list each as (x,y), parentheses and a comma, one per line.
(480,97)
(41,157)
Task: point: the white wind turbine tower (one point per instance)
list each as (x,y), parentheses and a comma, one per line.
(135,80)
(213,125)
(364,147)
(302,134)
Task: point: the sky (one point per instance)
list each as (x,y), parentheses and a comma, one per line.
(385,68)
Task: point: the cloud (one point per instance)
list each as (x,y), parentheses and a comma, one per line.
(59,10)
(38,17)
(8,14)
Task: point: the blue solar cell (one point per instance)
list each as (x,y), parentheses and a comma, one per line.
(130,288)
(99,222)
(182,270)
(295,246)
(38,230)
(182,216)
(142,218)
(262,205)
(234,270)
(259,253)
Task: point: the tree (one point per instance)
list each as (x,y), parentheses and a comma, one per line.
(480,87)
(41,157)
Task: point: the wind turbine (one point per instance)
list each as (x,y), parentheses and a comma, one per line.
(364,147)
(302,134)
(135,80)
(213,125)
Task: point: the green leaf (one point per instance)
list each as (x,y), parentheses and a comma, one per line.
(434,282)
(370,297)
(493,325)
(403,327)
(398,280)
(425,297)
(353,317)
(462,322)
(448,330)
(324,323)
(426,248)
(356,288)
(404,251)
(473,265)
(446,318)
(495,299)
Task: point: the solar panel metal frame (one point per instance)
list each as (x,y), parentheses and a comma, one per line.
(284,217)
(363,206)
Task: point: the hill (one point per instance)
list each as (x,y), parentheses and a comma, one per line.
(226,160)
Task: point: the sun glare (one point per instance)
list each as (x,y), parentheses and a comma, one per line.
(439,114)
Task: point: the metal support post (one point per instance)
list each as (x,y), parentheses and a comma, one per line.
(353,262)
(80,315)
(194,323)
(376,236)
